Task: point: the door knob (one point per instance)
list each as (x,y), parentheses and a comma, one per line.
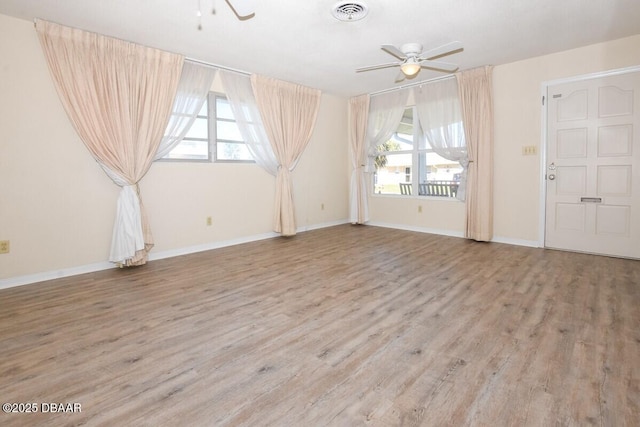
(552,177)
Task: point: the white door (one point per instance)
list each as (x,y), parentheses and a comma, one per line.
(593,166)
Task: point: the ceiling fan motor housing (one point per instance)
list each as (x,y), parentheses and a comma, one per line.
(411,49)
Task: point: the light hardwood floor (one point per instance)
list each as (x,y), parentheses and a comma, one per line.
(344,326)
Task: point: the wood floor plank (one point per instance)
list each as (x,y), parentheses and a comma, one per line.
(344,326)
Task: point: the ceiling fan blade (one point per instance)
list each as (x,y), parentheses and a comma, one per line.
(242,8)
(445,49)
(439,65)
(400,77)
(376,67)
(389,48)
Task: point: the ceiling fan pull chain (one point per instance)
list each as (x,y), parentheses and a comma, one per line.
(199,15)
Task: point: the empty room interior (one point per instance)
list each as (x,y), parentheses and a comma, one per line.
(279,213)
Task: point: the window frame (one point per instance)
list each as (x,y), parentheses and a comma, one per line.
(212,135)
(419,140)
(209,158)
(213,130)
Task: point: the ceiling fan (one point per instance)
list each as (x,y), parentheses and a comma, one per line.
(242,8)
(412,58)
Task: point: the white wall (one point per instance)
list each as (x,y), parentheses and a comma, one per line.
(57,205)
(518,121)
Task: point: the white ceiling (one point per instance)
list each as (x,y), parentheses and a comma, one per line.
(300,41)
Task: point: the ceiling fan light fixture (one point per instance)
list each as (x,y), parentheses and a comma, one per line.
(410,67)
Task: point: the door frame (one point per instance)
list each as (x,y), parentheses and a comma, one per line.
(544,88)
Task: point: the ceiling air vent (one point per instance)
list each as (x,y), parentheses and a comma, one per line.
(349,11)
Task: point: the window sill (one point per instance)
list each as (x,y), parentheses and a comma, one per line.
(402,196)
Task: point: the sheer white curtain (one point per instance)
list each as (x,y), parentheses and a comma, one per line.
(440,115)
(245,110)
(194,85)
(358,114)
(385,112)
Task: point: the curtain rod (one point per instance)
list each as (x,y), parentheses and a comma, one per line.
(412,84)
(220,67)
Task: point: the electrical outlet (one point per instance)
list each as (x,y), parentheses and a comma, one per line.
(322,206)
(4,247)
(419,208)
(209,220)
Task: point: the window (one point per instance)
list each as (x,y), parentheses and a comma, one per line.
(218,139)
(228,141)
(195,145)
(407,150)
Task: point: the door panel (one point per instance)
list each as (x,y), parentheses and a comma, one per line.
(614,101)
(571,180)
(574,106)
(570,217)
(572,143)
(614,181)
(615,140)
(613,220)
(593,166)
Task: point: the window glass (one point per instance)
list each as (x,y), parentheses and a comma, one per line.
(223,108)
(195,145)
(228,131)
(433,167)
(229,143)
(231,151)
(199,129)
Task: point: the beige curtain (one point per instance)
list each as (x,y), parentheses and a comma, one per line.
(289,113)
(358,116)
(118,96)
(476,100)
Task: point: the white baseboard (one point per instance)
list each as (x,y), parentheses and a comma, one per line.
(451,233)
(517,242)
(55,274)
(323,225)
(221,244)
(153,256)
(91,268)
